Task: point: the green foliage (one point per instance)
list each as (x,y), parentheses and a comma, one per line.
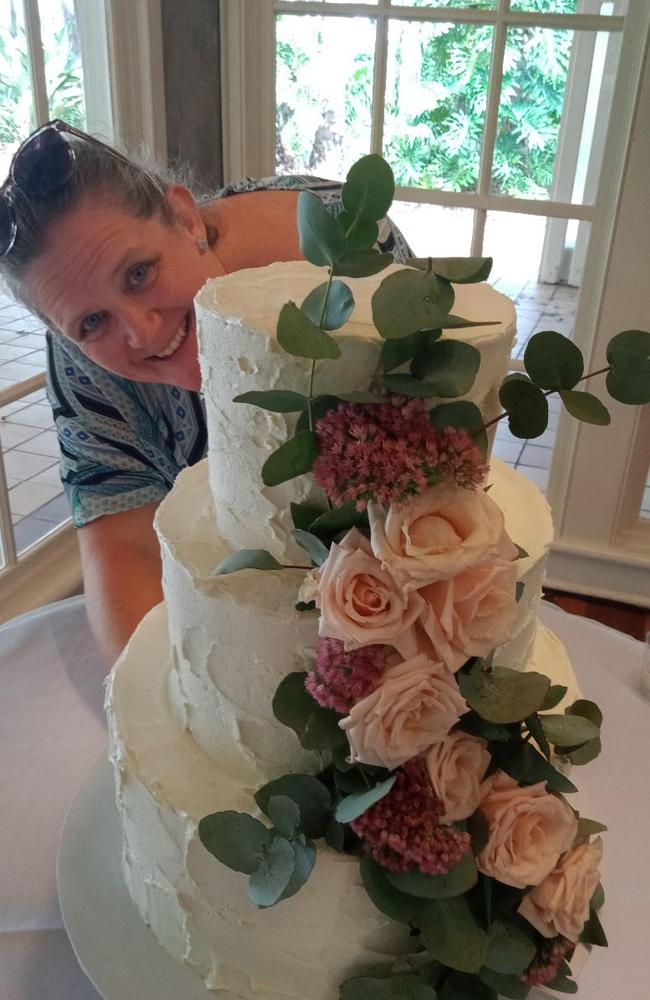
(299,336)
(501,694)
(553,361)
(460,270)
(411,300)
(408,987)
(329,305)
(317,728)
(452,935)
(247,559)
(511,949)
(355,805)
(388,899)
(583,406)
(455,882)
(293,458)
(525,404)
(312,545)
(275,400)
(628,380)
(309,794)
(235,839)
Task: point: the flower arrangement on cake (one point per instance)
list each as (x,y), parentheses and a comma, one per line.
(442,771)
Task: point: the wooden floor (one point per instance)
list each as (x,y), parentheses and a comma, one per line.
(623,617)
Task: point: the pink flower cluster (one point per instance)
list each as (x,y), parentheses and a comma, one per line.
(341,679)
(389,451)
(547,962)
(403,831)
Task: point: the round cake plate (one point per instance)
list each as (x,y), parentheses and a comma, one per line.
(113,945)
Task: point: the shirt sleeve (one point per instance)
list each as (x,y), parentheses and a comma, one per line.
(119,446)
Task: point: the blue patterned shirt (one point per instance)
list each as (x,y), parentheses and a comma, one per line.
(124,442)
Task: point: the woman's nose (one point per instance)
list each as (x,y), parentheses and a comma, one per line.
(141,327)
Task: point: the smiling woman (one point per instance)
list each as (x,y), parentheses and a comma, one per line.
(110,256)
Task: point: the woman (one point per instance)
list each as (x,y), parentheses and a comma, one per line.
(110,256)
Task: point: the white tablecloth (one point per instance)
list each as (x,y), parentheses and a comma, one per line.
(52,729)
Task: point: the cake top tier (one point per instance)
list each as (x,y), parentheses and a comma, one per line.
(237,318)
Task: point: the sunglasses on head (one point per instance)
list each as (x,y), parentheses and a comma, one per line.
(40,166)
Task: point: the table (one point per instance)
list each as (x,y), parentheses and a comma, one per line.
(52,729)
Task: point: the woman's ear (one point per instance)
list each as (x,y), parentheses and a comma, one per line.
(181,201)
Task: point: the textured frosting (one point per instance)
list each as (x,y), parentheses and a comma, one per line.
(196,906)
(237,317)
(235,637)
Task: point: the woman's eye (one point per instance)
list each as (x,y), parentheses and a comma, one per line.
(138,274)
(91,323)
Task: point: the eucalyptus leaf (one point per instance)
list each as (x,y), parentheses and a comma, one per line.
(321,239)
(452,935)
(339,519)
(553,361)
(410,300)
(586,753)
(320,407)
(408,385)
(592,932)
(460,270)
(284,814)
(310,795)
(462,414)
(506,986)
(236,839)
(388,900)
(525,405)
(275,400)
(563,985)
(293,458)
(628,354)
(247,559)
(406,987)
(304,514)
(355,805)
(329,306)
(312,545)
(363,398)
(299,336)
(369,188)
(588,827)
(587,710)
(273,873)
(361,263)
(360,234)
(510,948)
(450,366)
(583,406)
(538,733)
(503,695)
(317,728)
(305,859)
(527,766)
(568,730)
(554,696)
(397,352)
(457,881)
(335,836)
(420,365)
(598,897)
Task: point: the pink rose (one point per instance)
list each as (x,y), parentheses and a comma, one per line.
(456,766)
(528,830)
(560,904)
(415,705)
(359,602)
(438,534)
(471,613)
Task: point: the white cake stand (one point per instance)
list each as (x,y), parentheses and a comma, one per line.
(115,948)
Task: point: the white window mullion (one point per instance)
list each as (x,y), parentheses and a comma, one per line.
(6,526)
(379,78)
(36,60)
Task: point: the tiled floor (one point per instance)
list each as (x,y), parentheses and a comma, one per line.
(31,451)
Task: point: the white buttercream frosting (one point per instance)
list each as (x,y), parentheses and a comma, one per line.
(237,318)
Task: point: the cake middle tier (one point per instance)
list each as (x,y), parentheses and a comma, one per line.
(237,319)
(235,637)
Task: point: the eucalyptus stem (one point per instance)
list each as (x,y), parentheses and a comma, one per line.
(548,392)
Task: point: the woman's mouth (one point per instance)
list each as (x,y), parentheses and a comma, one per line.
(176,340)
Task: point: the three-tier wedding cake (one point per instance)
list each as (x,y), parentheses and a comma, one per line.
(189,703)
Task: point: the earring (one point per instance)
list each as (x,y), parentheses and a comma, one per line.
(202,244)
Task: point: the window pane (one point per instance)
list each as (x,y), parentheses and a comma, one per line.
(484,4)
(645,499)
(606,7)
(16,108)
(323,115)
(368,2)
(31,456)
(63,71)
(553,115)
(436,91)
(434,231)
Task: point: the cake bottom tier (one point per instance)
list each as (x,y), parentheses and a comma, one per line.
(305,947)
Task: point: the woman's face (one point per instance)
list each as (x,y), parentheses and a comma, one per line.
(122,288)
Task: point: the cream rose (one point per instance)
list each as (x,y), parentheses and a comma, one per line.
(360,602)
(560,904)
(416,704)
(438,534)
(456,766)
(528,830)
(471,613)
